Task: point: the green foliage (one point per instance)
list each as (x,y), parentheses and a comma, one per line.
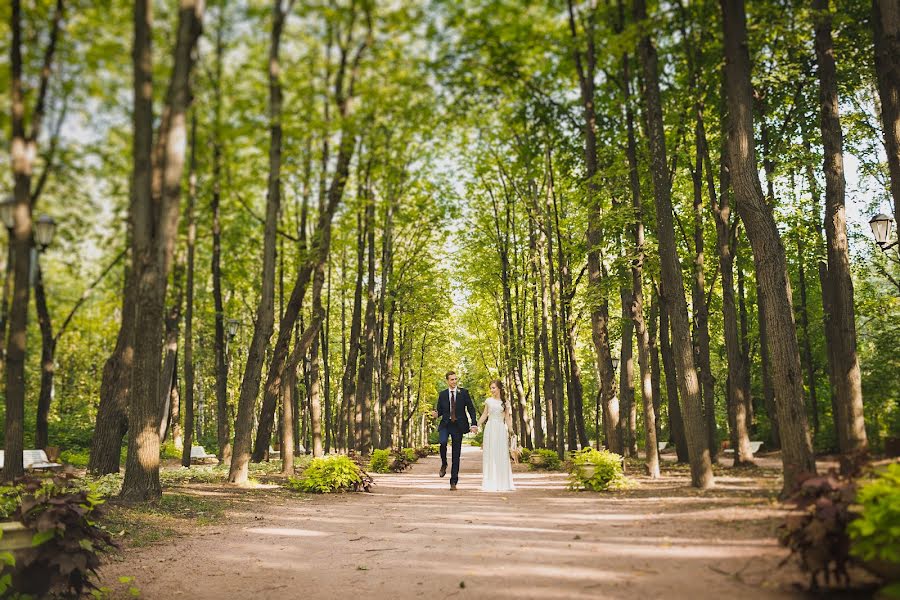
(596,470)
(169,451)
(76,458)
(434,448)
(816,532)
(67,541)
(525,455)
(380,461)
(105,486)
(410,454)
(10,496)
(423,451)
(331,474)
(875,533)
(544,459)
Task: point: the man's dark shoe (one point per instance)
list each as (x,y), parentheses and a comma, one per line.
(443,470)
(452,487)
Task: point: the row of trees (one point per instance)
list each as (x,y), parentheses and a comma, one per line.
(575,162)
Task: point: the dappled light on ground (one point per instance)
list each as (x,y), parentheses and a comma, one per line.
(414,538)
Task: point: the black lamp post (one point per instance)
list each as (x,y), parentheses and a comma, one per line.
(882,225)
(44,230)
(615,364)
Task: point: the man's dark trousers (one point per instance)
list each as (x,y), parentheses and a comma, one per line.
(453,430)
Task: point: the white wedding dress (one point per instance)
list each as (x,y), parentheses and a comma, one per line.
(496,467)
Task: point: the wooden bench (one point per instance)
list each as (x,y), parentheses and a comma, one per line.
(199,454)
(754,447)
(33,459)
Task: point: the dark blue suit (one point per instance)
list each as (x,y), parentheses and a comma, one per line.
(454,430)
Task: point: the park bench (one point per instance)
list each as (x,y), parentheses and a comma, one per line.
(754,447)
(199,454)
(33,459)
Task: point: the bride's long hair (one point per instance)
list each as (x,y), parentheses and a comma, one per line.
(500,387)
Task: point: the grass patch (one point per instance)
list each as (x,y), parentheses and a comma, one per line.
(174,514)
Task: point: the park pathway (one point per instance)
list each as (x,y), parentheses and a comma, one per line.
(414,538)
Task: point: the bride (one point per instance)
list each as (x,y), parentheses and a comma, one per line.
(496,467)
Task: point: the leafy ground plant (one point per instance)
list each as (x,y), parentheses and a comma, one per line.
(596,470)
(875,532)
(544,459)
(380,461)
(331,474)
(67,541)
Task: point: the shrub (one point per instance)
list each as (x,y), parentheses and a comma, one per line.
(816,533)
(410,454)
(435,448)
(10,496)
(66,542)
(380,461)
(525,455)
(76,458)
(105,486)
(875,533)
(596,470)
(544,459)
(423,451)
(336,473)
(169,451)
(400,461)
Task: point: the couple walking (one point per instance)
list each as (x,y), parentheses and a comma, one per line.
(454,407)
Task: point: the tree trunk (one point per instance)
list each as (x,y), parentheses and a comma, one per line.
(265,312)
(886,28)
(189,304)
(387,297)
(626,377)
(672,286)
(326,368)
(655,367)
(585,64)
(698,297)
(23,151)
(315,400)
(676,423)
(350,365)
(155,213)
(840,281)
(364,385)
(808,360)
(536,333)
(771,266)
(48,351)
(738,391)
(223,421)
(649,395)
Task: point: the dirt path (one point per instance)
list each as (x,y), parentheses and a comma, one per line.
(414,538)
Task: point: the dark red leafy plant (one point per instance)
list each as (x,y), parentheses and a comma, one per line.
(67,539)
(816,532)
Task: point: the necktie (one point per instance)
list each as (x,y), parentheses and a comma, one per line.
(452,405)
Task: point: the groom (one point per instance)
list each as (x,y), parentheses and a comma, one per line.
(452,406)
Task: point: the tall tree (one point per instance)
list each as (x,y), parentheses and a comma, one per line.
(886,29)
(672,286)
(848,392)
(155,211)
(265,313)
(768,251)
(23,152)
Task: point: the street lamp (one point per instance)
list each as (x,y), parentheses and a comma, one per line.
(615,364)
(44,230)
(232,328)
(881,225)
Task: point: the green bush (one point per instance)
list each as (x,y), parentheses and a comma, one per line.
(410,454)
(336,473)
(596,470)
(76,458)
(168,450)
(106,486)
(434,448)
(10,496)
(544,459)
(380,461)
(875,533)
(525,454)
(423,451)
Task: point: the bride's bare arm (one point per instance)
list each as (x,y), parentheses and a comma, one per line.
(484,416)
